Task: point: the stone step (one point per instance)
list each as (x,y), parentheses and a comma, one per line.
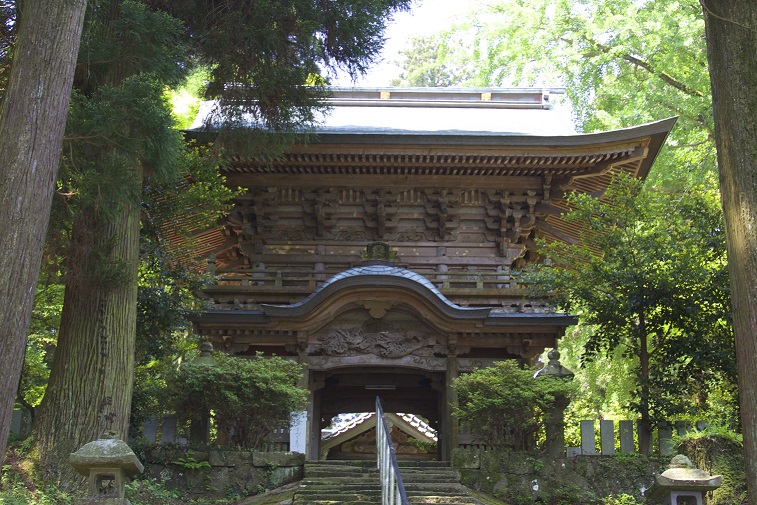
(344,462)
(357,483)
(423,464)
(324,473)
(430,476)
(341,470)
(335,502)
(446,500)
(412,486)
(407,477)
(376,495)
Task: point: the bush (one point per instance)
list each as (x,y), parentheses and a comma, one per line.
(247,397)
(502,404)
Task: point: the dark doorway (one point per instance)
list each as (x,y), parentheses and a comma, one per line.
(401,390)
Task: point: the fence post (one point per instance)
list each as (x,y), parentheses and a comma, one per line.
(665,438)
(588,444)
(627,444)
(168,429)
(607,437)
(150,429)
(20,422)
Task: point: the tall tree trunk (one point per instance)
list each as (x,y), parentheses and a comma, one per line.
(731,30)
(91,379)
(32,121)
(645,424)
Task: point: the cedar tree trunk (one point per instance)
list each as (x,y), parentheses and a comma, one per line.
(731,30)
(32,121)
(89,393)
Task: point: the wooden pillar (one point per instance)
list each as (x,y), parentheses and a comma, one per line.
(298,427)
(449,439)
(314,418)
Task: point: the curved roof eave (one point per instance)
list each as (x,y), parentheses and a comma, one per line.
(382,276)
(376,276)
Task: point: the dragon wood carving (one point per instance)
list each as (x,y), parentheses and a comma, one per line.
(387,344)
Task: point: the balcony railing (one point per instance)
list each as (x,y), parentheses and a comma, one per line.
(308,280)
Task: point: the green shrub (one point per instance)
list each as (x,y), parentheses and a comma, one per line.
(620,499)
(502,404)
(248,397)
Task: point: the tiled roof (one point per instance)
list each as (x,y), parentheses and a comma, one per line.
(343,426)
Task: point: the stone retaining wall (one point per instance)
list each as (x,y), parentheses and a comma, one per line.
(217,473)
(520,478)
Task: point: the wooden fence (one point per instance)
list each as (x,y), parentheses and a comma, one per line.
(620,437)
(624,440)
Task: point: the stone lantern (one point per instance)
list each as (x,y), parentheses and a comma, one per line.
(683,483)
(107,463)
(554,422)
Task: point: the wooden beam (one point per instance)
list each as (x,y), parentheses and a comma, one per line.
(383,181)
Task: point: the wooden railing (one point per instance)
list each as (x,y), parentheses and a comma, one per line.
(308,280)
(392,487)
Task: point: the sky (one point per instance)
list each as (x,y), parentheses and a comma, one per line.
(425,18)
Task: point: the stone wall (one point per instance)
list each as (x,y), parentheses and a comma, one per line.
(520,478)
(217,473)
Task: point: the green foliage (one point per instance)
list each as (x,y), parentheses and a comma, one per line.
(191,463)
(568,494)
(271,50)
(248,398)
(186,99)
(98,170)
(650,276)
(19,487)
(426,64)
(502,404)
(605,383)
(621,499)
(153,492)
(40,344)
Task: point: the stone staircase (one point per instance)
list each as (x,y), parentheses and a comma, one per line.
(357,482)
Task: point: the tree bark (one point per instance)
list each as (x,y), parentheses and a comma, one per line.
(645,424)
(91,379)
(32,122)
(731,31)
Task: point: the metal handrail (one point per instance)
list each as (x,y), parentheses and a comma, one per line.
(392,487)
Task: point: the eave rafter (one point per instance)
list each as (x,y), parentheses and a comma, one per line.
(420,164)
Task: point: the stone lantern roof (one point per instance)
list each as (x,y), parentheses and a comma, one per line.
(682,475)
(106,453)
(554,368)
